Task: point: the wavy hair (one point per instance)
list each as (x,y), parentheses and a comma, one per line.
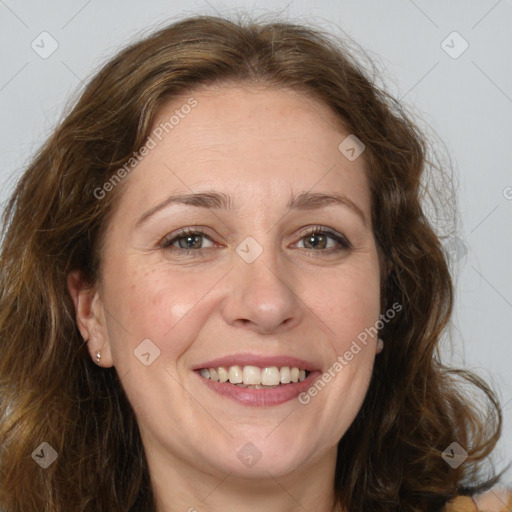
(391,457)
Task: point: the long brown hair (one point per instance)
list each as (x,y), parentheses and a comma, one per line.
(50,390)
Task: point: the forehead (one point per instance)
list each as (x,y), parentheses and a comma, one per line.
(242,114)
(244,141)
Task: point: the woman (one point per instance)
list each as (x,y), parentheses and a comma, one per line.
(220,292)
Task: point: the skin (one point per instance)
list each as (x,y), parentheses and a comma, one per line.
(261,146)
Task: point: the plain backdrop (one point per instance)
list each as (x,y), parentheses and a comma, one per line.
(447,61)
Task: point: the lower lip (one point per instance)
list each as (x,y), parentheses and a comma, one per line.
(261,397)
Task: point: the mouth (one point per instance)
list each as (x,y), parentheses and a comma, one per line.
(253,377)
(256,381)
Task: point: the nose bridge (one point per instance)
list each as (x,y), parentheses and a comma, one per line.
(262,294)
(260,266)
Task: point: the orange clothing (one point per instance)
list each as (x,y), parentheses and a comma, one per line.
(495,500)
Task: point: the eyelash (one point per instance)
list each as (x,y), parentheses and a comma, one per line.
(317,230)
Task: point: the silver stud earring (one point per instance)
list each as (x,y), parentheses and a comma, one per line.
(380,345)
(98,357)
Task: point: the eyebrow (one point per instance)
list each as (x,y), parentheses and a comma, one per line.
(220,201)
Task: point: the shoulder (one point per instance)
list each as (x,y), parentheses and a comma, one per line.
(498,499)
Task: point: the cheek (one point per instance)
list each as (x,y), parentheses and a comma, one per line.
(155,304)
(348,301)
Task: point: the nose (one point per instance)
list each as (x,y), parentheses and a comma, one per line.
(261,295)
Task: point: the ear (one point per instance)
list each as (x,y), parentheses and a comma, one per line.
(90,318)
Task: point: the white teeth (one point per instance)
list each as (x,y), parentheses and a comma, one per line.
(284,375)
(251,375)
(235,375)
(270,376)
(254,377)
(223,374)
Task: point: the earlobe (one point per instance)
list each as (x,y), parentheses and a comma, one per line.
(90,318)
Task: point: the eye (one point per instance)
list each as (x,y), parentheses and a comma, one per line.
(318,239)
(323,239)
(186,239)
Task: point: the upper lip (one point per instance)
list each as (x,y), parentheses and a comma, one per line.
(262,361)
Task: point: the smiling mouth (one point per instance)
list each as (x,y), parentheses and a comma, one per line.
(255,377)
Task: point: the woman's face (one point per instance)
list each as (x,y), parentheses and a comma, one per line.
(274,273)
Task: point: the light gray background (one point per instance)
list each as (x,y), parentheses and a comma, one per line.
(466,100)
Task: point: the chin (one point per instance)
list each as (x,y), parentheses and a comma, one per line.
(276,456)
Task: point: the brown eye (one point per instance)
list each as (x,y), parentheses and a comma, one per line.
(186,240)
(316,241)
(324,240)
